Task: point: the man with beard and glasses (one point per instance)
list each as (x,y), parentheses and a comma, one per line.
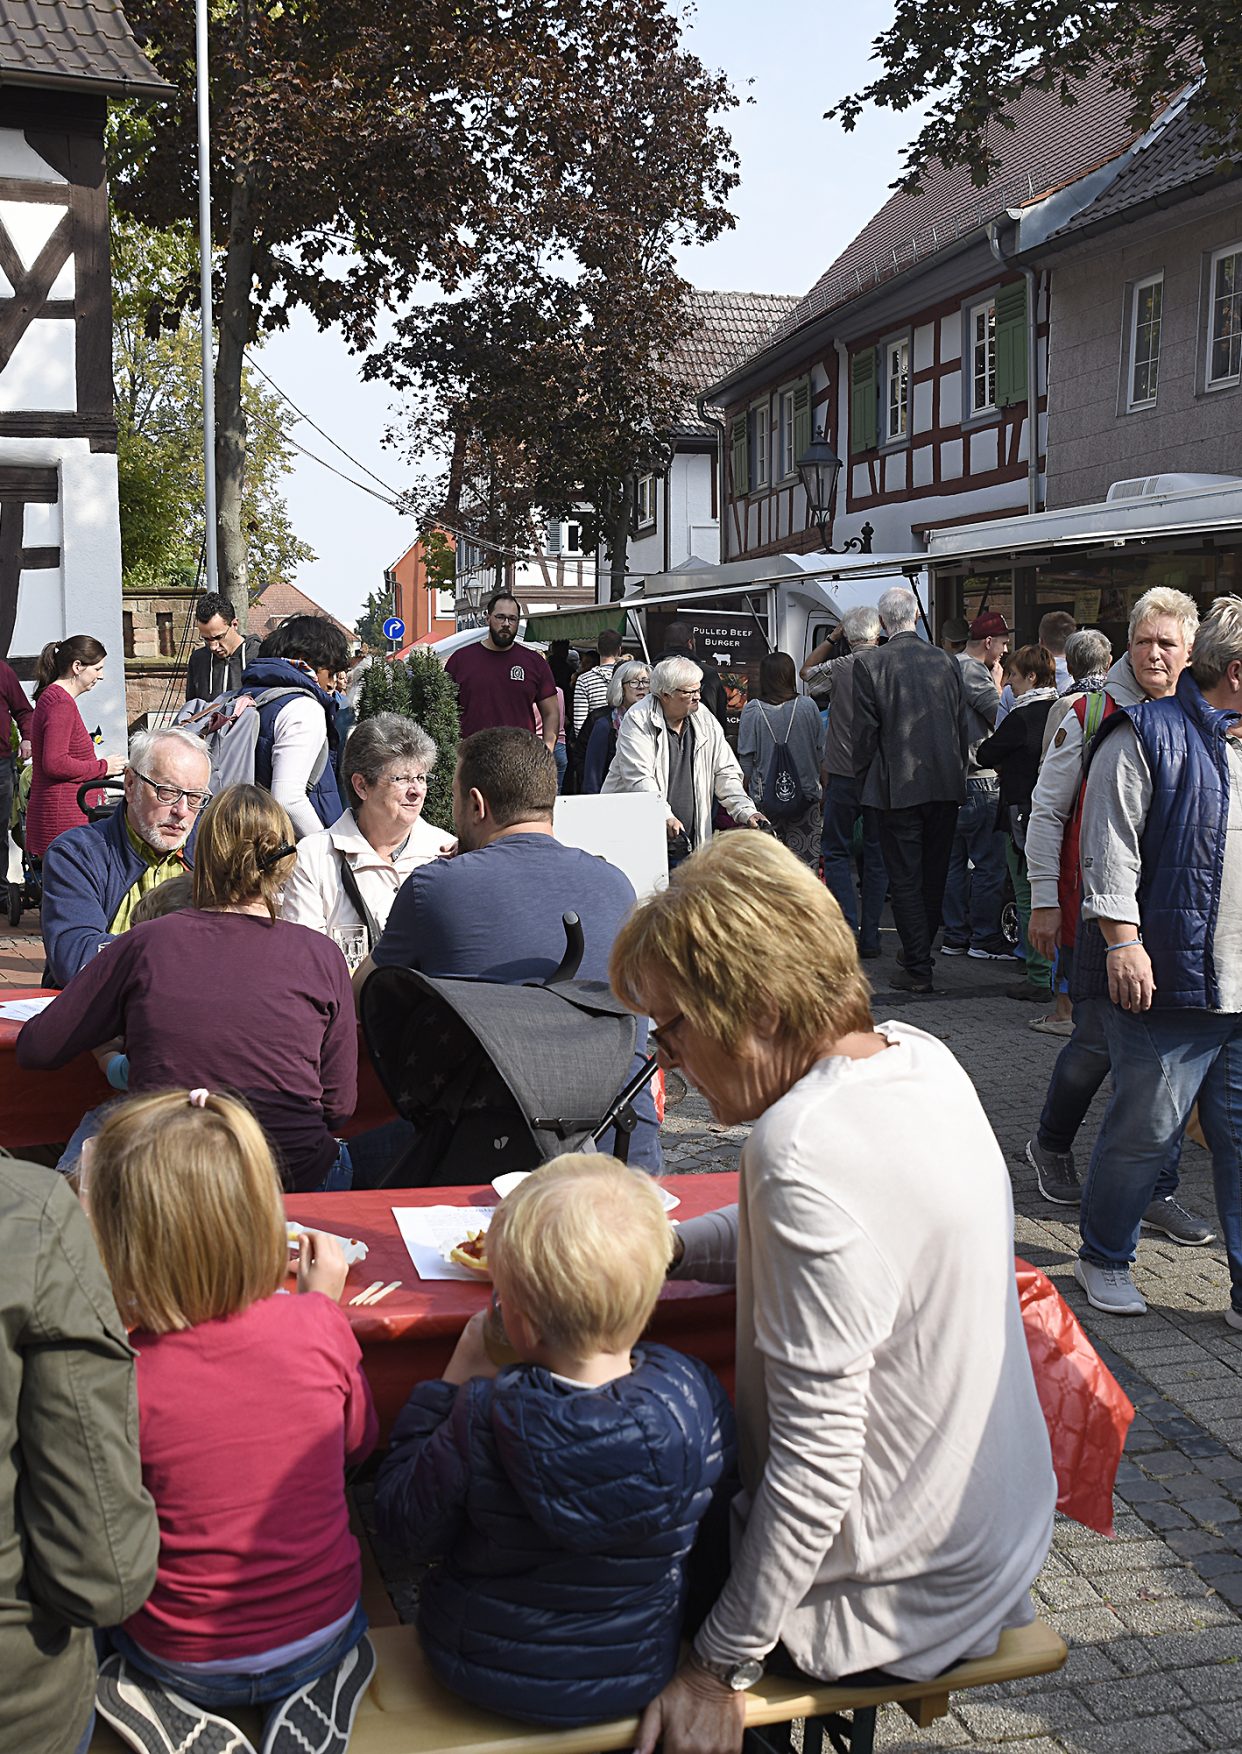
(95,875)
(500,682)
(495,910)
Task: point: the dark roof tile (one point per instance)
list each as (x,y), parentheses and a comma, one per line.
(74,45)
(1173,159)
(1050,145)
(729,327)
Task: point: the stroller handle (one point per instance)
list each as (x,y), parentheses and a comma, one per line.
(567,968)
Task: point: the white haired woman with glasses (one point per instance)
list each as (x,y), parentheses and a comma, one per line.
(346,879)
(666,745)
(629,683)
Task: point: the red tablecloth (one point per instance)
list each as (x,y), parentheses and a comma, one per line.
(409,1337)
(43,1108)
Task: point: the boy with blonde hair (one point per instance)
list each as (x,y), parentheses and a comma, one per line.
(561,1494)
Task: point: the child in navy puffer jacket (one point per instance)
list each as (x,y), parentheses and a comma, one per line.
(562,1494)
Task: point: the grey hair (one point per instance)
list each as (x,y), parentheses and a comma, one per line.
(378,741)
(862,625)
(899,609)
(143,744)
(1161,600)
(670,674)
(1218,642)
(623,673)
(1087,653)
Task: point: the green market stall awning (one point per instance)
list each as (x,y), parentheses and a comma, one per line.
(576,624)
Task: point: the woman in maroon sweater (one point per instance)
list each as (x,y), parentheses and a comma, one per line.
(226,995)
(61,751)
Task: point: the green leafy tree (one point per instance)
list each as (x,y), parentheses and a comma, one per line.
(366,150)
(370,624)
(964,62)
(433,702)
(157,385)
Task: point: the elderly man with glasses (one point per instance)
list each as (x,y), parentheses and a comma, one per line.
(94,876)
(665,745)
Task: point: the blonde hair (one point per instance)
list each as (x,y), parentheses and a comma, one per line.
(1163,600)
(582,1247)
(744,916)
(239,835)
(187,1210)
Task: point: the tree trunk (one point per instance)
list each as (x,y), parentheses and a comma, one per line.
(618,538)
(233,333)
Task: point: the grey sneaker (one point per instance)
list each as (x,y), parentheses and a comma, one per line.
(1233,1317)
(1110,1289)
(1055,1173)
(318,1718)
(151,1717)
(1179,1225)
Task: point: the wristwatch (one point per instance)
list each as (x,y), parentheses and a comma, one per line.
(736,1676)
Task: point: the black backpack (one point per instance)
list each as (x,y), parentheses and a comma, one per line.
(782,798)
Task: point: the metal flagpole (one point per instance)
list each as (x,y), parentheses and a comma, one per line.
(204,260)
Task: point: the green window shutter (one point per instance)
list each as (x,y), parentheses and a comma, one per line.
(1011,344)
(801,418)
(740,437)
(862,401)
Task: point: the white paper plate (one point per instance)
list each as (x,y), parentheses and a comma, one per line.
(505,1184)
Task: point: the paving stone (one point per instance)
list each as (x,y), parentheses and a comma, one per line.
(1125,1556)
(1043,1712)
(1211,1682)
(1172,1616)
(1150,1735)
(1228,1584)
(1135,1696)
(1213,1512)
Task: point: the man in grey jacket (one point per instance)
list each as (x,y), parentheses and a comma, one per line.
(975,890)
(910,741)
(78,1534)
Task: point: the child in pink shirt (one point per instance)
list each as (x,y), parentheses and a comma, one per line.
(251,1403)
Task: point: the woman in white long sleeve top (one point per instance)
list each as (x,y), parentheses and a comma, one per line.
(897,1485)
(378,841)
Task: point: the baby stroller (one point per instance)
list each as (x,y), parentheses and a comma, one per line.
(28,891)
(496,1077)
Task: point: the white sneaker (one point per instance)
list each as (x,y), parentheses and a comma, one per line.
(1110,1289)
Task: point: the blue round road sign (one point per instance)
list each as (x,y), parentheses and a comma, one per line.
(394,628)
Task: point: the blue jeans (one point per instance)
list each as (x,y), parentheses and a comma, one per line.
(841,812)
(973,899)
(341,1176)
(1162,1062)
(561,756)
(224,1688)
(1081,1068)
(83,1746)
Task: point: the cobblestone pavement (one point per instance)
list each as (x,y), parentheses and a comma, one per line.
(1151,1617)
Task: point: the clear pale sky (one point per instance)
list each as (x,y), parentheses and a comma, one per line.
(806,190)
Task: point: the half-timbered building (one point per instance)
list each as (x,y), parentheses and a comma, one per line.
(60,545)
(921,354)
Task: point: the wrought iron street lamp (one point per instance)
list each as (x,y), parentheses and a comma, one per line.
(818,469)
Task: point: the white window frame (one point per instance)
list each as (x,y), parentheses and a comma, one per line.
(897,350)
(760,442)
(446,604)
(1233,378)
(1134,401)
(645,502)
(785,435)
(983,306)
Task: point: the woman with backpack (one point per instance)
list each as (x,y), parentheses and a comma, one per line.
(780,745)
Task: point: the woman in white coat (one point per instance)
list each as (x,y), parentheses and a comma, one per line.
(666,745)
(347,877)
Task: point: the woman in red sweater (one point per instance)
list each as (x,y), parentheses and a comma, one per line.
(61,750)
(251,1405)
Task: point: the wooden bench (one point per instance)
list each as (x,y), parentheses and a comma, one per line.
(406,1711)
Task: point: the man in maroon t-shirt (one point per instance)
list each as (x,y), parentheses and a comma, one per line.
(500,682)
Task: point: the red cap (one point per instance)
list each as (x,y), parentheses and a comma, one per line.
(989,625)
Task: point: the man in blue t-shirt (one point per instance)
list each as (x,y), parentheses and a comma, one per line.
(493,910)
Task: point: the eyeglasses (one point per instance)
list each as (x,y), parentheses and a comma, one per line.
(403,781)
(662,1034)
(512,620)
(688,693)
(174,794)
